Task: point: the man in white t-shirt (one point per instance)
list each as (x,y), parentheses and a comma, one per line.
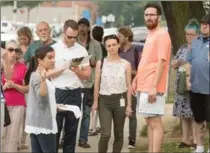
(68,82)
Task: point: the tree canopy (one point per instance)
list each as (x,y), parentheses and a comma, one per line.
(129,12)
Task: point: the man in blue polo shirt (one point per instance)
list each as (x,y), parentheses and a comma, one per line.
(198,81)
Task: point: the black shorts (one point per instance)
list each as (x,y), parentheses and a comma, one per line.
(200,105)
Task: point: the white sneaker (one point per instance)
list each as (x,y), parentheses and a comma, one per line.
(208,151)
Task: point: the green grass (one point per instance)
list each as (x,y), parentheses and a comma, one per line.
(171,147)
(143,132)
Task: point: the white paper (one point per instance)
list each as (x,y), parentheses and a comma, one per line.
(122,102)
(75,109)
(151,108)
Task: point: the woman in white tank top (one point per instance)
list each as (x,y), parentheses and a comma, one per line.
(112,94)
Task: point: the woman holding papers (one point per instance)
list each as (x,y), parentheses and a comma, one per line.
(41,106)
(112,94)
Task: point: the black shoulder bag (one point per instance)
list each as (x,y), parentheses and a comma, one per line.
(90,94)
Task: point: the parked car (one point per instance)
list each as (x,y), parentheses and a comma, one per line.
(6,27)
(6,37)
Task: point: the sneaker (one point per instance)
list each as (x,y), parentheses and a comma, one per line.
(131,144)
(84,144)
(208,151)
(196,152)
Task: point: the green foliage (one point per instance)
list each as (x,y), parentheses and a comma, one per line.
(143,132)
(29,4)
(131,12)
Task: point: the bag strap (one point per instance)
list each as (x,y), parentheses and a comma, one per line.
(136,57)
(102,63)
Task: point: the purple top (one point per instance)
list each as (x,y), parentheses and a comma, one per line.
(130,56)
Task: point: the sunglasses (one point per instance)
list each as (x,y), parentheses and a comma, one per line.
(72,37)
(16,50)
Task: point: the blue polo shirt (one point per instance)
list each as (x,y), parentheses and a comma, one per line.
(198,57)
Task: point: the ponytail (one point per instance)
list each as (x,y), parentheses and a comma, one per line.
(32,67)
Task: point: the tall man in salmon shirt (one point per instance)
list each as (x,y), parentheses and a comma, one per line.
(153,71)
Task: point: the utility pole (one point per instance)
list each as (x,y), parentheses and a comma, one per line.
(14,11)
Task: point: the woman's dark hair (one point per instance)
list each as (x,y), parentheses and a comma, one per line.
(154,5)
(111,37)
(39,54)
(97,33)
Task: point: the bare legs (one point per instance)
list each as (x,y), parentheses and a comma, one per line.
(155,133)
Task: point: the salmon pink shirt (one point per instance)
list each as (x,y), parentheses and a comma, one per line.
(157,47)
(12,96)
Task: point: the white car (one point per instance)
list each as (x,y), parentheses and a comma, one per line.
(7,37)
(6,27)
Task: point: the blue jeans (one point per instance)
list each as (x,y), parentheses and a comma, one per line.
(70,97)
(85,118)
(43,143)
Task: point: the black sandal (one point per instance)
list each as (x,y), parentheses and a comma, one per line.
(93,133)
(183,145)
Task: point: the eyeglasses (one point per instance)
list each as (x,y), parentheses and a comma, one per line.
(190,34)
(150,15)
(16,50)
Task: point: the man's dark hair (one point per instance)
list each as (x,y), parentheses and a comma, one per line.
(97,33)
(154,5)
(84,21)
(70,24)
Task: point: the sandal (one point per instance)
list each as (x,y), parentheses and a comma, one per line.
(93,133)
(98,129)
(183,145)
(193,146)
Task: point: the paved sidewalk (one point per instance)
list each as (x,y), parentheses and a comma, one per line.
(93,140)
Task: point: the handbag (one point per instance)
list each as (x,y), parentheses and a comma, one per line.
(7,119)
(90,93)
(181,84)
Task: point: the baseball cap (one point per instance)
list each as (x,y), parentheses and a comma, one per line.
(84,21)
(205,19)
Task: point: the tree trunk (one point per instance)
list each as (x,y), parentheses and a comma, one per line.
(177,15)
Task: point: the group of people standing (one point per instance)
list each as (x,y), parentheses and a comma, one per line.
(38,80)
(192,100)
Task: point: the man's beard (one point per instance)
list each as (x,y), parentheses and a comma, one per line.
(44,39)
(152,25)
(122,44)
(82,32)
